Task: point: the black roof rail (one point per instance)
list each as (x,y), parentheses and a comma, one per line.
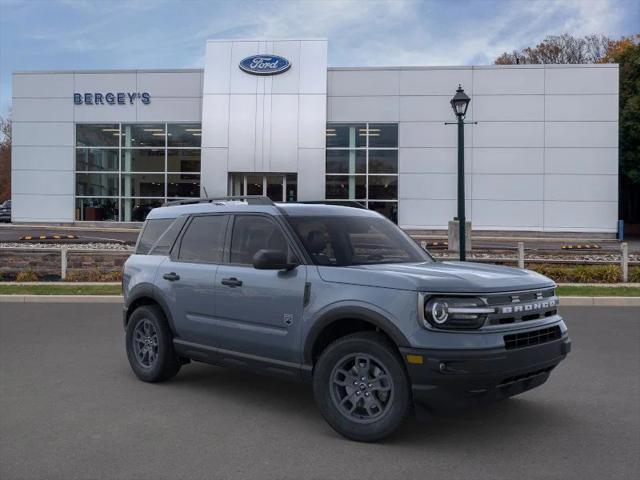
(250,199)
(343,203)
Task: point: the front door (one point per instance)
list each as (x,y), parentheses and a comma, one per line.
(187,278)
(259,312)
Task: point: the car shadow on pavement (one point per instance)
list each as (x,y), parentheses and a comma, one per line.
(476,427)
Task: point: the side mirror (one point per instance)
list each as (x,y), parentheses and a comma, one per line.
(272,260)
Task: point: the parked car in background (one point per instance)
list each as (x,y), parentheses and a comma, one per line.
(5,211)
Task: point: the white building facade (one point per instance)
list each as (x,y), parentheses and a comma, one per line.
(110,145)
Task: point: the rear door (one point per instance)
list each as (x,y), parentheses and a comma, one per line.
(259,312)
(187,277)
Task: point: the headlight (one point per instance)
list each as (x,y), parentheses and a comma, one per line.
(455,312)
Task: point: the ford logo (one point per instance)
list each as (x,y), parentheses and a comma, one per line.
(265,64)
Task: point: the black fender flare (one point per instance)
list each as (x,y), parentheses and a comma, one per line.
(351,312)
(146,290)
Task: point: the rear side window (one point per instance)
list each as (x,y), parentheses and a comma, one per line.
(203,241)
(168,238)
(153,229)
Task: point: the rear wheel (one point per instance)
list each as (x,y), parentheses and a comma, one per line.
(149,345)
(361,387)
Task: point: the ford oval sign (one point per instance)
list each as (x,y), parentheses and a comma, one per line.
(265,64)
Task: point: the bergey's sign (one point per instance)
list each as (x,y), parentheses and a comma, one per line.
(109,98)
(265,64)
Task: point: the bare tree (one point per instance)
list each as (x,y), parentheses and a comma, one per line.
(560,49)
(5,159)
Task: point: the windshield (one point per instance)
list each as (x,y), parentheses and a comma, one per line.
(356,240)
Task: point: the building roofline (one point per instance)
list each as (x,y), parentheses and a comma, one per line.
(480,67)
(117,70)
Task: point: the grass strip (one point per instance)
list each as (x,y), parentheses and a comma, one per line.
(597,291)
(53,289)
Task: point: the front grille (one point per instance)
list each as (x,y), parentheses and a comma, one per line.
(535,337)
(521,306)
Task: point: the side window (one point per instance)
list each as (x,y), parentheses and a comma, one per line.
(203,240)
(252,233)
(153,229)
(167,239)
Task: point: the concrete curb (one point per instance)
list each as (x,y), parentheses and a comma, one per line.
(600,301)
(564,301)
(61,299)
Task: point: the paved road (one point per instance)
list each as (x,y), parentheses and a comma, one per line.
(70,408)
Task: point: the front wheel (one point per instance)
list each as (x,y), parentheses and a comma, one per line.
(149,344)
(361,387)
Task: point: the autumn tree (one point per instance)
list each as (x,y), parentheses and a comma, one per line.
(600,49)
(5,159)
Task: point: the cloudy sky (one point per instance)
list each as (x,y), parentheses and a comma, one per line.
(92,34)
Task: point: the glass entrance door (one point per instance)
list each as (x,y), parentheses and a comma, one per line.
(278,187)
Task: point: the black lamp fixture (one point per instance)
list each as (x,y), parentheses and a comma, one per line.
(460,102)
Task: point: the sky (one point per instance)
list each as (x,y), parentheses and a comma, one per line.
(109,34)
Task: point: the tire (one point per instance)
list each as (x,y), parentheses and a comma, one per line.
(151,356)
(365,411)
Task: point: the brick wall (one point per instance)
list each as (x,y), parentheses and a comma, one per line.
(47,266)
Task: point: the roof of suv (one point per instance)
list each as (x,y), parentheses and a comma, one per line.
(242,206)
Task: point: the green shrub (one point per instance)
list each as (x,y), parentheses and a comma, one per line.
(634,274)
(579,273)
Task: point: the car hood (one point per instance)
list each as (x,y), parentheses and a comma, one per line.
(451,277)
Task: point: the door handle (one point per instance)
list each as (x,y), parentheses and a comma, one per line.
(231,282)
(172,277)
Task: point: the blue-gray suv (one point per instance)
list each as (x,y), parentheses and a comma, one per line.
(340,297)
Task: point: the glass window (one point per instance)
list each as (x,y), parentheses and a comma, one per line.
(96,160)
(143,160)
(383,161)
(131,162)
(355,240)
(383,135)
(184,135)
(346,187)
(275,188)
(383,187)
(143,185)
(103,135)
(153,229)
(137,209)
(292,187)
(167,239)
(96,185)
(254,185)
(367,155)
(143,135)
(388,209)
(346,161)
(179,185)
(96,209)
(346,135)
(252,233)
(183,161)
(203,241)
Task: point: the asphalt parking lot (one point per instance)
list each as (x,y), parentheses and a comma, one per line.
(70,408)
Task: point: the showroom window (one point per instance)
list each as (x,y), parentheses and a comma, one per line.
(362,165)
(125,170)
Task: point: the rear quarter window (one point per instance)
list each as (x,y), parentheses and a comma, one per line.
(151,233)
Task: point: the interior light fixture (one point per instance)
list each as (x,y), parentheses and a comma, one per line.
(110,129)
(153,129)
(192,129)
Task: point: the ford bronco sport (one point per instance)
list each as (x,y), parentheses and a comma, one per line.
(340,297)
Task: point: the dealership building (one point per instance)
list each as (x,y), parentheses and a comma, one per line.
(271,118)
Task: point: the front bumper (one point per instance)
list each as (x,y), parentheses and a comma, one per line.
(450,378)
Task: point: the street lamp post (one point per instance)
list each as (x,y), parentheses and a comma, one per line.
(460,103)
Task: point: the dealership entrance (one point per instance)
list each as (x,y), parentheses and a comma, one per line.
(279,187)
